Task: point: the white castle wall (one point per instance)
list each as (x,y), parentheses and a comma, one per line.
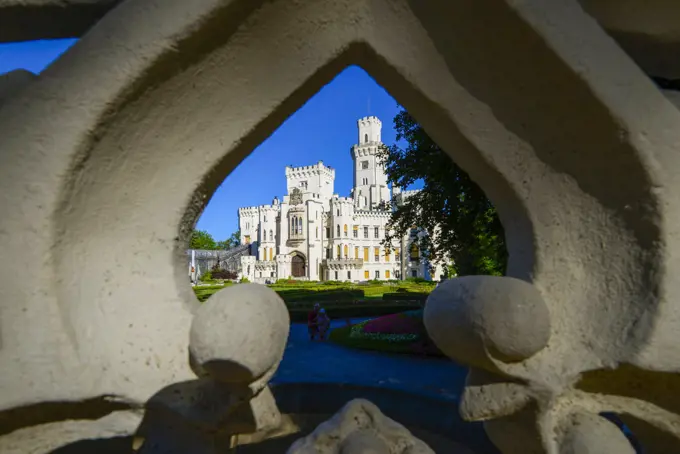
(329,245)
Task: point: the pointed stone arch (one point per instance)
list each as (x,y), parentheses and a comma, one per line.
(516,110)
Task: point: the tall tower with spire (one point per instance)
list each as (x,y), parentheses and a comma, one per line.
(370,180)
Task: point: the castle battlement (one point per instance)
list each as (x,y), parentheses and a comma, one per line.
(305,171)
(369,119)
(376,214)
(245,211)
(337,200)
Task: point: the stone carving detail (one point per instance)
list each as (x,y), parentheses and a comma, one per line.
(296,197)
(501,326)
(97,157)
(360,427)
(237,340)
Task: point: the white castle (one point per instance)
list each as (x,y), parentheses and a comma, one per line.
(314,234)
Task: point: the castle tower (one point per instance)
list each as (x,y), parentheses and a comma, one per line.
(315,179)
(370,180)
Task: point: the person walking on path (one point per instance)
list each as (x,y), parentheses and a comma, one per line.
(323,323)
(312,325)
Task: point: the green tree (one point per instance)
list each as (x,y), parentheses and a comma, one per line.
(461,223)
(201,239)
(233,241)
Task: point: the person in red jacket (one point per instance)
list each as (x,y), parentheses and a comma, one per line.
(312,325)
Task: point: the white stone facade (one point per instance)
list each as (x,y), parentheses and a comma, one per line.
(315,234)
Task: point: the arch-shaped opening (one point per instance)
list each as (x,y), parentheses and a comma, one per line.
(365,138)
(516,158)
(298,265)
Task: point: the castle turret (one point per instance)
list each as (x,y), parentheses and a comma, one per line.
(370,179)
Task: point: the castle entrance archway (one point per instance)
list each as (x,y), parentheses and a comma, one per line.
(298,266)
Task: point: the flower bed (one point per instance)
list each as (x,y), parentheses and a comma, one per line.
(403,332)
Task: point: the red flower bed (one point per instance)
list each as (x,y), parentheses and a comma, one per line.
(394,324)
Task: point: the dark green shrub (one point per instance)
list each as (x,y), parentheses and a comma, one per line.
(405,296)
(418,280)
(299,314)
(223,274)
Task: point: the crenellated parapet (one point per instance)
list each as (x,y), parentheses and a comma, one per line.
(318,169)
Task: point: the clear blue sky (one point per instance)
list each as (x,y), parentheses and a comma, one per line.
(323,129)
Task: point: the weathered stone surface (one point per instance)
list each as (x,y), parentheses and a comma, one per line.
(360,428)
(25,20)
(568,138)
(592,434)
(238,336)
(476,318)
(13,82)
(649,31)
(114,429)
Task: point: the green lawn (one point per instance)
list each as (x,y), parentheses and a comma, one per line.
(328,292)
(342,300)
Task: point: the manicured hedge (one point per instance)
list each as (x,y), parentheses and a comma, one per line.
(299,314)
(406,296)
(319,295)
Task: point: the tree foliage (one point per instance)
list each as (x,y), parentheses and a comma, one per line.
(461,223)
(202,239)
(233,241)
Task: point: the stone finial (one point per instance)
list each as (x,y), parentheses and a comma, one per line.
(360,427)
(238,336)
(236,343)
(587,433)
(477,319)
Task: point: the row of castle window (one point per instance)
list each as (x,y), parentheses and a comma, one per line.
(267,253)
(414,253)
(355,231)
(388,275)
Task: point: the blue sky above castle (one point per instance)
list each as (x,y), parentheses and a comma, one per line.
(325,129)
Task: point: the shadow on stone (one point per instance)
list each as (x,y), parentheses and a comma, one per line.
(116,445)
(44,413)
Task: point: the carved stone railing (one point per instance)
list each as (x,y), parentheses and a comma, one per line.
(100,184)
(343,264)
(231,395)
(502,327)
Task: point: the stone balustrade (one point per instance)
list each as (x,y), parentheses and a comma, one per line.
(100,186)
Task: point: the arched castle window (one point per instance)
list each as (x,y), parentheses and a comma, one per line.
(365,138)
(338,230)
(339,256)
(415,252)
(345,228)
(271,235)
(264,235)
(346,251)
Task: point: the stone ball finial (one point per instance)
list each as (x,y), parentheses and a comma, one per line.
(472,317)
(592,434)
(238,335)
